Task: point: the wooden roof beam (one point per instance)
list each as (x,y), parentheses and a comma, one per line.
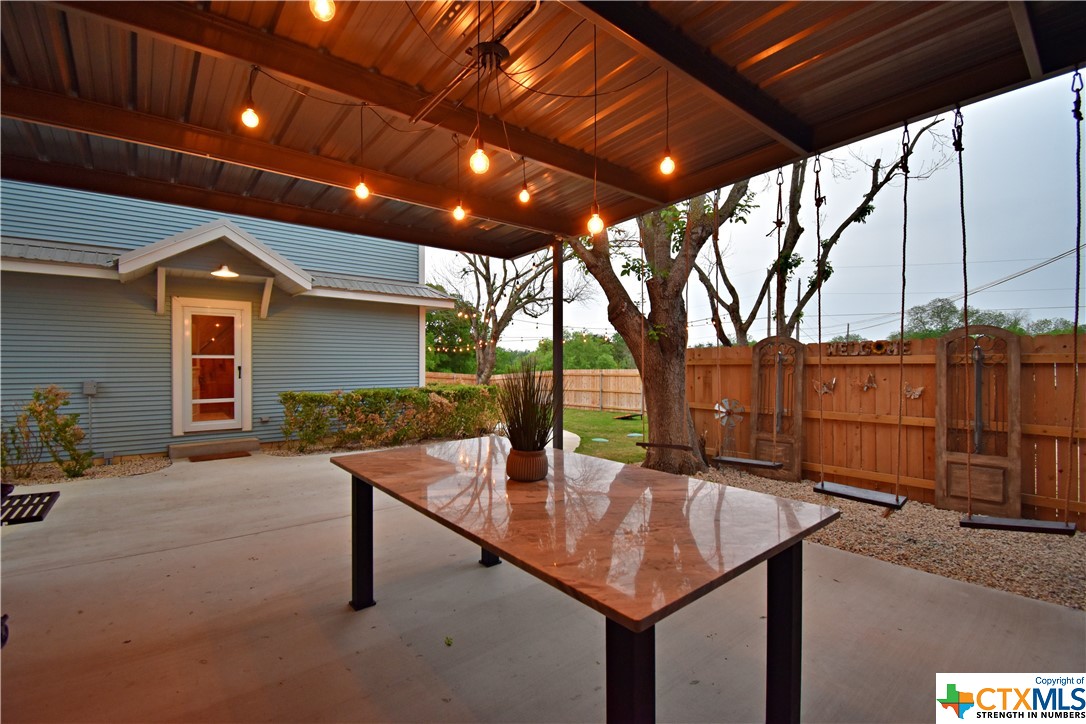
(649,34)
(61,111)
(78,177)
(1024,28)
(219,37)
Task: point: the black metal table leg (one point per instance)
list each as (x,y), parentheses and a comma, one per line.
(784,624)
(361,544)
(488,559)
(631,674)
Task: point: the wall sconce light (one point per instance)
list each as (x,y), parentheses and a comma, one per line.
(224,272)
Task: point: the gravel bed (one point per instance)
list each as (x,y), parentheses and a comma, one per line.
(1045,567)
(50,473)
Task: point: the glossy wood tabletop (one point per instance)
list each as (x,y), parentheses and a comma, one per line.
(634,544)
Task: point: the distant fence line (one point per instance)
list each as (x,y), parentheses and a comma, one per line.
(618,390)
(859,416)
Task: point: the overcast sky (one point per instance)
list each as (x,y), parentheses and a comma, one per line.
(1020,210)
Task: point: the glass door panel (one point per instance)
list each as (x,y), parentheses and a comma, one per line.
(215,369)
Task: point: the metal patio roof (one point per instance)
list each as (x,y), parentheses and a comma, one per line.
(144,99)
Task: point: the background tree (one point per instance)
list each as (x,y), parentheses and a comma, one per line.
(450,346)
(784,265)
(670,240)
(942,314)
(499,289)
(586,351)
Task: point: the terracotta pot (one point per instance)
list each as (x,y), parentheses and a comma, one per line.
(526,466)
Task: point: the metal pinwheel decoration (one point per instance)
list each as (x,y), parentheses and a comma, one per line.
(730,413)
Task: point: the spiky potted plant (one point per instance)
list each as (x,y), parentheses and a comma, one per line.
(526,403)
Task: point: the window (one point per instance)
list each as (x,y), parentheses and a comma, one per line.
(212,380)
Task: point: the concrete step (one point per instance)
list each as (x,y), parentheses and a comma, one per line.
(213,447)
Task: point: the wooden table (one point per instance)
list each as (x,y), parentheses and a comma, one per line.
(634,544)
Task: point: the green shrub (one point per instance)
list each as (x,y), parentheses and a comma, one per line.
(382,417)
(305,416)
(59,434)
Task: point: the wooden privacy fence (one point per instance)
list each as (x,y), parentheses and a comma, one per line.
(618,390)
(859,429)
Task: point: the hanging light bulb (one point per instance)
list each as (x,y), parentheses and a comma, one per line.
(249,116)
(479,161)
(323,10)
(667,166)
(362,191)
(524,196)
(595,223)
(458,212)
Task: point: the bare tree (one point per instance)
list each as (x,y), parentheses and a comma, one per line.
(670,240)
(781,271)
(499,289)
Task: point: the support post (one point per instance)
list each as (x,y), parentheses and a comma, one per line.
(558,336)
(784,638)
(631,675)
(361,544)
(488,559)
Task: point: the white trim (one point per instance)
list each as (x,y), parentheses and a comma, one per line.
(426,302)
(422,346)
(137,262)
(182,423)
(265,299)
(160,297)
(422,264)
(64,270)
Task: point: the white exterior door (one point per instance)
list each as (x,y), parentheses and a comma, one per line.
(212,381)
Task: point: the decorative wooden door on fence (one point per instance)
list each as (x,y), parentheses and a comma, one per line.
(776,430)
(978,410)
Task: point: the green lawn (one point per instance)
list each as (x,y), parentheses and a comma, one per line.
(593,423)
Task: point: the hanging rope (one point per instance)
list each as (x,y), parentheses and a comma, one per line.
(1076,112)
(959,147)
(819,201)
(905,148)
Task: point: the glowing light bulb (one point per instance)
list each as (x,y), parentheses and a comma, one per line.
(250,118)
(667,166)
(458,213)
(323,10)
(479,161)
(524,196)
(362,190)
(595,224)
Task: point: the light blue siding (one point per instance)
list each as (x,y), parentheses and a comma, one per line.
(64,330)
(31,211)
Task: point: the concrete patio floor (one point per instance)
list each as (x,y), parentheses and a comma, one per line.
(216,591)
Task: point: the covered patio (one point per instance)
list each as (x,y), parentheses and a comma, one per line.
(216,591)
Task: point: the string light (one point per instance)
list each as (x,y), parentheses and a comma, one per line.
(667,166)
(595,223)
(524,196)
(249,116)
(323,10)
(362,191)
(458,213)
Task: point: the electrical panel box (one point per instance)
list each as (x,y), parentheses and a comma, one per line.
(90,389)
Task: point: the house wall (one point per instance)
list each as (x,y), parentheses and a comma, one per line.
(32,211)
(65,330)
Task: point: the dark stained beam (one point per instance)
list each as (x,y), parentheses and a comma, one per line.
(1024,28)
(188,26)
(650,35)
(77,177)
(98,119)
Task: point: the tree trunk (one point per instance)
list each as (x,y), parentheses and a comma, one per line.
(485,359)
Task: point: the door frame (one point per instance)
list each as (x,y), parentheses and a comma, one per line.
(181,380)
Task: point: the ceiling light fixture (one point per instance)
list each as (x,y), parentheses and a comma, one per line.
(524,196)
(479,161)
(595,222)
(224,272)
(362,191)
(249,116)
(323,10)
(667,166)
